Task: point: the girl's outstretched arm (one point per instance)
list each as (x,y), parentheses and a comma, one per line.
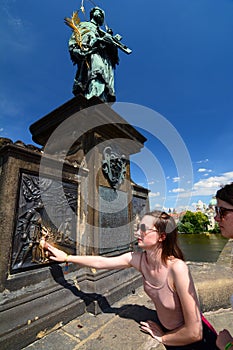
(97,262)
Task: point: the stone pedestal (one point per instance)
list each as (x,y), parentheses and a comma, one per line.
(86,157)
(90,133)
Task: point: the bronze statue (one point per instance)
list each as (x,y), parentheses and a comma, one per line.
(96,54)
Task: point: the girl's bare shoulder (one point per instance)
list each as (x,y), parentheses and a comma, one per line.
(178,265)
(136,258)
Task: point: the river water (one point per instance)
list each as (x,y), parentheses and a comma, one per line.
(201,247)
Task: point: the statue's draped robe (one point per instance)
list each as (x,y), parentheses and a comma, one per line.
(96,62)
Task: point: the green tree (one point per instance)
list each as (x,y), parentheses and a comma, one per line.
(186,227)
(216,229)
(193,222)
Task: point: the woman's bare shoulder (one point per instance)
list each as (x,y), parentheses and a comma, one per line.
(136,258)
(178,265)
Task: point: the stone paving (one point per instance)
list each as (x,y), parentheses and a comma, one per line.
(117,328)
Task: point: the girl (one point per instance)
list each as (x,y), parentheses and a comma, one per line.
(166,279)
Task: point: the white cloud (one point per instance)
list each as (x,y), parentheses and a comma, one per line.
(1,129)
(203,161)
(176,179)
(154,194)
(151,183)
(203,170)
(208,187)
(178,190)
(158,206)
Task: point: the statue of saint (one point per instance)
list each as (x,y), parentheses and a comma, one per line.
(96,54)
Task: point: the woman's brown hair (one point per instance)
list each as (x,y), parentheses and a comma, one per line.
(226,193)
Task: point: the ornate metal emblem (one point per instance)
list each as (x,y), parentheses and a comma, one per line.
(114,167)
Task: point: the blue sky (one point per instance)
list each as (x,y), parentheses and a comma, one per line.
(180,71)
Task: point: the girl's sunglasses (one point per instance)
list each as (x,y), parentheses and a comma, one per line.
(144,229)
(221,212)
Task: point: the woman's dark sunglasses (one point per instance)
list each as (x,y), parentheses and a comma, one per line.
(221,212)
(144,229)
(141,227)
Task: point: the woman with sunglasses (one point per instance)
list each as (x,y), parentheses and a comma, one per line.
(166,279)
(224,217)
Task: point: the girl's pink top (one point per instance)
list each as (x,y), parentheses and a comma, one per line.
(166,300)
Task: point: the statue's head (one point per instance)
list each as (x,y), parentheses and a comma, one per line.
(97,14)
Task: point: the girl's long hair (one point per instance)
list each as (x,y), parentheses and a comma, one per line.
(165,223)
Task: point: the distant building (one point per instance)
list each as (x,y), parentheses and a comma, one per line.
(208,210)
(177,216)
(210,213)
